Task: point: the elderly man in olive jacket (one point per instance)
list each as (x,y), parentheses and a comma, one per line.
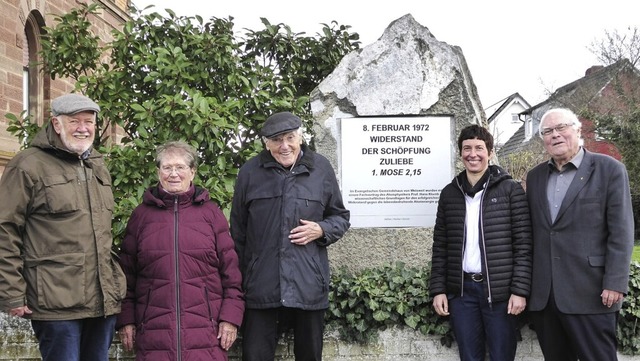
(56,265)
(287,208)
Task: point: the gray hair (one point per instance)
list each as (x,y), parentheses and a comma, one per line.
(566,114)
(180,148)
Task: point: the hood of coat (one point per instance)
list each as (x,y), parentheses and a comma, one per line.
(158,197)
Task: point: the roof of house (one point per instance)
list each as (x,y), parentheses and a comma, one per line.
(579,93)
(515,143)
(504,104)
(575,96)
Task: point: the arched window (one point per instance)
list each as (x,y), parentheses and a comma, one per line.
(35,87)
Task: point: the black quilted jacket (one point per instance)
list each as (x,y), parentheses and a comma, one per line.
(505,243)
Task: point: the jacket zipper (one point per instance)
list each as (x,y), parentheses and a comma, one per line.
(177,278)
(464,247)
(484,245)
(143,320)
(464,243)
(95,241)
(285,232)
(206,299)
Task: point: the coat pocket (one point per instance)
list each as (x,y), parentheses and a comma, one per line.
(596,261)
(117,290)
(309,206)
(59,280)
(60,191)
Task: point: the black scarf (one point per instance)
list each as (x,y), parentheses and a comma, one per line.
(472,190)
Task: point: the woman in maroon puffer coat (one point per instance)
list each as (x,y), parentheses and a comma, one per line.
(184,299)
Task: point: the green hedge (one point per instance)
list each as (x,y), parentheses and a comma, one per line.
(367,302)
(628,332)
(361,304)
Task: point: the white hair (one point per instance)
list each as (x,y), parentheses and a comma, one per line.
(565,113)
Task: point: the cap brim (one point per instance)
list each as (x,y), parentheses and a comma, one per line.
(281,132)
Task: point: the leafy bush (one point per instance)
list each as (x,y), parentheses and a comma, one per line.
(173,77)
(363,304)
(370,301)
(628,332)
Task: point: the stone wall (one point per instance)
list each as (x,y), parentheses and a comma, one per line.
(18,344)
(395,344)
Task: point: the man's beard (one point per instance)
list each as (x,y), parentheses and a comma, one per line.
(79,147)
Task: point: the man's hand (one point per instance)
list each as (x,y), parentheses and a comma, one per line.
(20,311)
(609,297)
(306,232)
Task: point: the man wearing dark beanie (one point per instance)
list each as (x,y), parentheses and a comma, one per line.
(287,208)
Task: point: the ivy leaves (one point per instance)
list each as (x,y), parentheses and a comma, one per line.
(628,332)
(361,304)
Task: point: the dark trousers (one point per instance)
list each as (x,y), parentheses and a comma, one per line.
(565,337)
(86,339)
(478,327)
(262,328)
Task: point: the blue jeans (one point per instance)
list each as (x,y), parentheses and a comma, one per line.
(85,339)
(475,325)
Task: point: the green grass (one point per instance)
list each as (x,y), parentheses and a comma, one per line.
(636,254)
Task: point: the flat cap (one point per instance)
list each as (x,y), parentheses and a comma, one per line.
(73,103)
(279,123)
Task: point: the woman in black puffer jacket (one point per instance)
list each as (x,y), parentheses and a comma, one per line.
(481,265)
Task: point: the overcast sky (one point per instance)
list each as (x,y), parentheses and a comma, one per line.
(509,47)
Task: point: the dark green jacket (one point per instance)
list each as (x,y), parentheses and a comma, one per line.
(55,234)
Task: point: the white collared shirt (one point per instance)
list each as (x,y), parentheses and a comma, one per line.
(471,261)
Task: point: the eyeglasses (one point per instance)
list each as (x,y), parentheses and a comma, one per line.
(558,128)
(169,169)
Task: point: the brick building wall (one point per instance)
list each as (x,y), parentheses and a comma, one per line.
(22,84)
